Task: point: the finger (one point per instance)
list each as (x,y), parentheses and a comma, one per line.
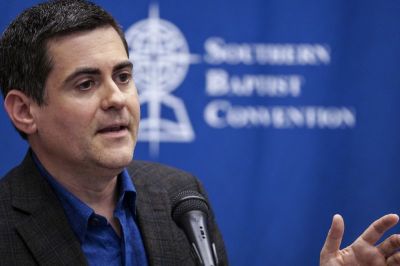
(390,245)
(334,237)
(379,227)
(393,260)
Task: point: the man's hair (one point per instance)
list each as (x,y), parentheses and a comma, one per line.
(24,61)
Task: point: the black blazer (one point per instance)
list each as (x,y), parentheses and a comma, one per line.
(35,231)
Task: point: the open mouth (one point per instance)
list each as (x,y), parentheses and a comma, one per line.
(113,129)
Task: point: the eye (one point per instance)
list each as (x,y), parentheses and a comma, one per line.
(86,85)
(123,77)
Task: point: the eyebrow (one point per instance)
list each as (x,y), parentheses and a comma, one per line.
(82,71)
(96,71)
(124,64)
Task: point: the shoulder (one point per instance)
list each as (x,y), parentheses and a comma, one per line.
(21,178)
(6,182)
(8,217)
(156,175)
(5,196)
(158,172)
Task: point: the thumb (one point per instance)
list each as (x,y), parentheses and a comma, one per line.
(334,237)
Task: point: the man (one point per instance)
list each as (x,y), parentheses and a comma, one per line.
(77,198)
(68,87)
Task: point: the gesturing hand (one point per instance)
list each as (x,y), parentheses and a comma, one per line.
(363,251)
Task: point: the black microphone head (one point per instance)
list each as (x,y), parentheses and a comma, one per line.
(186,201)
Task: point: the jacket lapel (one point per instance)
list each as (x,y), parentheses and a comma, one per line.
(43,225)
(162,242)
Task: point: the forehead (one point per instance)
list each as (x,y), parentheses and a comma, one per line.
(99,46)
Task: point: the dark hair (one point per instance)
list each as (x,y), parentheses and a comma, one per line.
(24,62)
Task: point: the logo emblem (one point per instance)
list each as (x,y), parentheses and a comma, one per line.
(161,59)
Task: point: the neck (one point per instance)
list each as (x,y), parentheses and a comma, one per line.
(97,189)
(102,198)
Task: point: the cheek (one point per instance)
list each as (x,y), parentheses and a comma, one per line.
(137,110)
(134,106)
(67,119)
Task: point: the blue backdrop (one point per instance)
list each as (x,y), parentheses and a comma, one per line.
(286,110)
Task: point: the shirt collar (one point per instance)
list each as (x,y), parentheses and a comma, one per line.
(127,191)
(77,212)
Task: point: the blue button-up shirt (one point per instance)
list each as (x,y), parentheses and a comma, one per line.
(99,242)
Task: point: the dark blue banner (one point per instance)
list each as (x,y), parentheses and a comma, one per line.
(287,111)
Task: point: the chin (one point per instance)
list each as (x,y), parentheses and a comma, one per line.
(114,158)
(119,160)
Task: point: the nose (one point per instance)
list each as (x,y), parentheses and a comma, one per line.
(113,97)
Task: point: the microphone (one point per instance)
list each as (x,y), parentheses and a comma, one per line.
(190,212)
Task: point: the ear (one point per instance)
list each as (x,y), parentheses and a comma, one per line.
(18,107)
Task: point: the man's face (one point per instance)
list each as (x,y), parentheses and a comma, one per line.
(91,116)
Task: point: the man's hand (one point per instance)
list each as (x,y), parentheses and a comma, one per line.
(363,251)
